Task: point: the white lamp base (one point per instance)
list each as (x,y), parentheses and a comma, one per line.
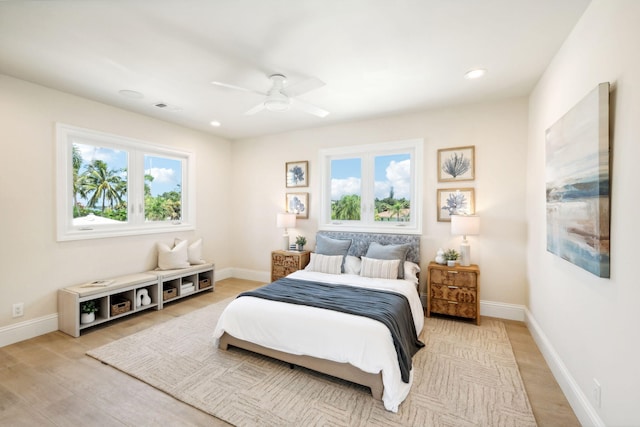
(285,242)
(465,254)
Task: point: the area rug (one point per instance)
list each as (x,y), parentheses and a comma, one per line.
(465,376)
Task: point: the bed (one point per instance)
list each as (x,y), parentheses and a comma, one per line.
(351,347)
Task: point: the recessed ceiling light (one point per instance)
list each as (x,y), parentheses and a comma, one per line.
(475,73)
(131,94)
(215,123)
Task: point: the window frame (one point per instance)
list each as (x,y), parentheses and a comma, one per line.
(367,154)
(136,224)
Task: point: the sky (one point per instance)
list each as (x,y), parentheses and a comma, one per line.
(165,171)
(390,171)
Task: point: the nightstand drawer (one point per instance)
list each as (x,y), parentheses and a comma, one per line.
(461,279)
(454,308)
(453,293)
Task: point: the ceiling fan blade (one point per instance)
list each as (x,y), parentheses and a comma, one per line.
(255,109)
(244,89)
(308,108)
(304,86)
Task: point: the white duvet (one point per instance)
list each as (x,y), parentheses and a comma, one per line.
(296,329)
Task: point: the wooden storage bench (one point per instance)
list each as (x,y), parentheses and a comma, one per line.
(118,297)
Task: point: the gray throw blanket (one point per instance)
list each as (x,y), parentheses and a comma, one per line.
(390,308)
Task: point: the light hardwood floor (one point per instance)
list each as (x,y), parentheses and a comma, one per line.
(49,381)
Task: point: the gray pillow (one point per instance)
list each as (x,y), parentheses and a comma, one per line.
(328,246)
(378,251)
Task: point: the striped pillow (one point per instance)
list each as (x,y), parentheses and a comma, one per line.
(379,268)
(331,264)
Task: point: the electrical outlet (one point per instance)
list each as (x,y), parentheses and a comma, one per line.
(18,309)
(597,393)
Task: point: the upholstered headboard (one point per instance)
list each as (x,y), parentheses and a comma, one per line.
(360,242)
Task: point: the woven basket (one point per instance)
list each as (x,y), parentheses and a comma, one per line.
(169,293)
(120,305)
(204,283)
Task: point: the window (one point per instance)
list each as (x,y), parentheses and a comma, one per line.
(372,187)
(110,185)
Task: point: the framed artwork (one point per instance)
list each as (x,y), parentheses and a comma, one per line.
(457,164)
(298,203)
(296,174)
(577,184)
(454,201)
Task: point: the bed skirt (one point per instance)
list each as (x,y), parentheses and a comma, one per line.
(343,371)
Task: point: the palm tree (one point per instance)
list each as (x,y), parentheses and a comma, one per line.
(347,208)
(76,163)
(104,185)
(148,179)
(397,208)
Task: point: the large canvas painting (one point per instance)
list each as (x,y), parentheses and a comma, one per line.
(577,178)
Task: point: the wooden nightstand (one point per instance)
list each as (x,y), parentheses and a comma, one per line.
(286,262)
(454,291)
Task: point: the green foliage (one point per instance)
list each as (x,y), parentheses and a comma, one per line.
(301,240)
(105,191)
(166,206)
(347,208)
(105,186)
(392,209)
(88,306)
(451,255)
(389,208)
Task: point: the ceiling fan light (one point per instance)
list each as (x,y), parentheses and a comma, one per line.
(277,103)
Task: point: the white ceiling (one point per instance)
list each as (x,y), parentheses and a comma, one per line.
(377,57)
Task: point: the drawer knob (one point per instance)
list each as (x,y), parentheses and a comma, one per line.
(452,272)
(452,302)
(452,287)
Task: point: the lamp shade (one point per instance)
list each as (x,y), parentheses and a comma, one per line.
(465,225)
(286,220)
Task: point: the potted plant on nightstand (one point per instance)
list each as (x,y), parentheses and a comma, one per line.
(451,256)
(300,242)
(88,311)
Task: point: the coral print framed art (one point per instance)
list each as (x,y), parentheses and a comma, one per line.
(296,174)
(298,203)
(457,164)
(455,201)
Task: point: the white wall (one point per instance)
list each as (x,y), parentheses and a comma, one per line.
(590,325)
(33,266)
(498,130)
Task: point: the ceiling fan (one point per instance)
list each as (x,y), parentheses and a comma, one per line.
(281,97)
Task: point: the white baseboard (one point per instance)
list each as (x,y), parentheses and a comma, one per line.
(255,275)
(222,274)
(28,329)
(582,407)
(502,310)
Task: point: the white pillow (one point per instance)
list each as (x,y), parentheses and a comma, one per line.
(171,259)
(331,264)
(379,268)
(194,251)
(411,270)
(352,265)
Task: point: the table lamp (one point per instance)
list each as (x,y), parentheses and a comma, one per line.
(285,220)
(465,225)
